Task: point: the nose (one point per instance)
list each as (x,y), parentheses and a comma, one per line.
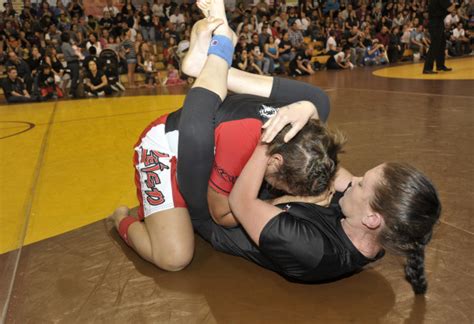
(355,180)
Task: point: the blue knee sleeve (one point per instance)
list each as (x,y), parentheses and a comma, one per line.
(222,46)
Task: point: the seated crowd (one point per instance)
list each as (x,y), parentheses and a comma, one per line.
(50,52)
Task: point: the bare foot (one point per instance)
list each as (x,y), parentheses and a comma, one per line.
(196,56)
(201,35)
(119,214)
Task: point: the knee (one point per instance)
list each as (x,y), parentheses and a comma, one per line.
(174,261)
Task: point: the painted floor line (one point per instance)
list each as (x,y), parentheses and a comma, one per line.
(409,93)
(28,207)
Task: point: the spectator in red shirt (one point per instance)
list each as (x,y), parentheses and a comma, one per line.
(384,36)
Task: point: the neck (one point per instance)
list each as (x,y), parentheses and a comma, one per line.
(323,199)
(365,242)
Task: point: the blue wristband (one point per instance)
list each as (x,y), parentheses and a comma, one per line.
(222,46)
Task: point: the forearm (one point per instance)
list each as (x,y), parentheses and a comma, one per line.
(244,82)
(252,213)
(301,66)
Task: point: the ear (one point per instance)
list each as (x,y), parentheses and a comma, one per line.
(372,220)
(275,161)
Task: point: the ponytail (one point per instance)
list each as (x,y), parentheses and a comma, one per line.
(410,207)
(415,269)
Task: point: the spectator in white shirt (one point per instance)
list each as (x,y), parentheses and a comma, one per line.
(460,42)
(451,20)
(111,8)
(331,44)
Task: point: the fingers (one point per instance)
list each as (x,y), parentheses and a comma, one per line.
(273,126)
(295,128)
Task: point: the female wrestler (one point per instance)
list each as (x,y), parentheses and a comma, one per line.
(393,206)
(166,237)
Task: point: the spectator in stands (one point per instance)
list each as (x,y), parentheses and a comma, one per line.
(110,8)
(256,50)
(53,34)
(48,88)
(150,71)
(245,63)
(34,61)
(75,9)
(451,20)
(96,84)
(61,78)
(354,39)
(128,52)
(107,22)
(157,9)
(301,64)
(330,7)
(146,24)
(72,59)
(418,42)
(14,88)
(460,42)
(271,52)
(295,36)
(340,60)
(384,36)
(395,48)
(172,77)
(177,18)
(375,54)
(128,8)
(22,69)
(93,23)
(93,41)
(286,52)
(303,22)
(331,44)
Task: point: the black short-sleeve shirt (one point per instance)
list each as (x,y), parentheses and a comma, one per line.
(305,242)
(97,79)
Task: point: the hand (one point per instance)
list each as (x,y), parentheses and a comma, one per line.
(296,114)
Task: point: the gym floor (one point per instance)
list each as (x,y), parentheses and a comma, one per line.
(66,165)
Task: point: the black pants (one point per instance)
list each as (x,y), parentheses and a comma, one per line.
(437,47)
(74,68)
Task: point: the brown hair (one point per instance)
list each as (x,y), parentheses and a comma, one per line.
(410,207)
(309,159)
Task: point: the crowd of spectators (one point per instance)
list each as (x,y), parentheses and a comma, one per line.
(59,51)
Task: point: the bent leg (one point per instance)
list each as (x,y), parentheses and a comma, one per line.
(165,239)
(171,238)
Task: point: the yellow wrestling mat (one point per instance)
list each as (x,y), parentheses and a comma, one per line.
(66,164)
(463,69)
